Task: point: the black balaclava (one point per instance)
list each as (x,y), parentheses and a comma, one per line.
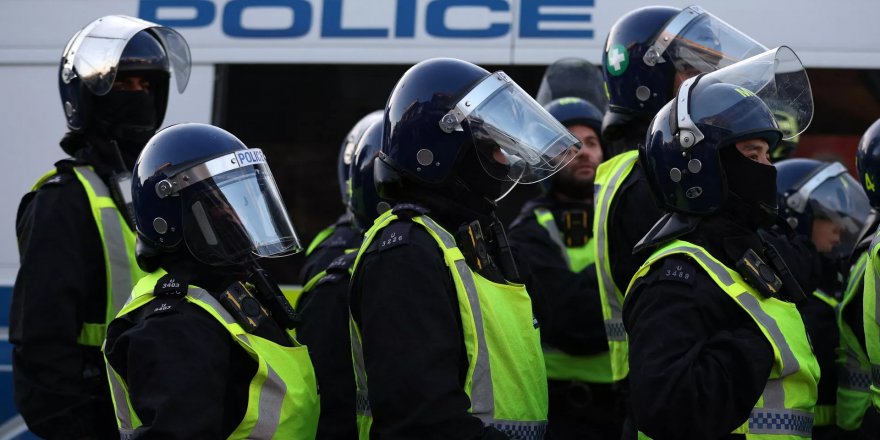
(128,117)
(751,189)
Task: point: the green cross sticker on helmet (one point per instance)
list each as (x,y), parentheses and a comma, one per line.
(618,60)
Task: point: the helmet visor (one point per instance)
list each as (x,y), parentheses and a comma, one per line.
(237,213)
(517,139)
(839,208)
(697,42)
(94,52)
(780,80)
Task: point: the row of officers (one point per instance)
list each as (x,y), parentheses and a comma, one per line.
(670,283)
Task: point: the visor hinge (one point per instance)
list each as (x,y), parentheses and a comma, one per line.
(164,188)
(449,123)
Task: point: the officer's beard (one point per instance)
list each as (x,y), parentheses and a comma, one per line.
(129,118)
(751,189)
(565,183)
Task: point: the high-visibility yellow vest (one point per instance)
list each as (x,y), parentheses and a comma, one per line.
(506,380)
(560,365)
(871,318)
(853,367)
(785,408)
(283,394)
(609,176)
(118,244)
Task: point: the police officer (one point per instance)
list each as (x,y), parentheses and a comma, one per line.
(75,231)
(717,347)
(649,52)
(555,231)
(333,240)
(822,202)
(204,348)
(445,340)
(859,391)
(323,305)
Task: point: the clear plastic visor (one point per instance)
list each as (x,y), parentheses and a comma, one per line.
(517,140)
(698,42)
(94,52)
(236,214)
(840,209)
(779,79)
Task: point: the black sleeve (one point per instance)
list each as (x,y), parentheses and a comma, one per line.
(414,354)
(574,320)
(633,214)
(186,377)
(60,387)
(324,329)
(698,364)
(820,321)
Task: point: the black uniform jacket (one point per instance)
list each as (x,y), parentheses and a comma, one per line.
(187,377)
(698,362)
(574,321)
(405,304)
(60,386)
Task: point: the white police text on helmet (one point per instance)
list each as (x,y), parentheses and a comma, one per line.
(537,18)
(250,157)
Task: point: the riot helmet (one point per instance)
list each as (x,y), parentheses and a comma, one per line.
(198,189)
(822,201)
(445,116)
(346,151)
(689,157)
(788,125)
(868,162)
(365,203)
(573,77)
(115,50)
(650,51)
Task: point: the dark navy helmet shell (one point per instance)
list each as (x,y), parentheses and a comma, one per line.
(198,184)
(688,177)
(114,44)
(365,203)
(868,162)
(572,110)
(651,49)
(810,190)
(346,151)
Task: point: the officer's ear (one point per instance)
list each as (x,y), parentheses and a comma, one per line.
(147,256)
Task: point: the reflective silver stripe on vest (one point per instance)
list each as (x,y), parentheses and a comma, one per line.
(119,395)
(482,395)
(114,239)
(613,326)
(273,389)
(553,230)
(781,422)
(362,403)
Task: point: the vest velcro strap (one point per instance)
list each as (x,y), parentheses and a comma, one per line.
(850,378)
(781,422)
(92,334)
(521,430)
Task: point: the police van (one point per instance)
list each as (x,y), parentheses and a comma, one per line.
(292,76)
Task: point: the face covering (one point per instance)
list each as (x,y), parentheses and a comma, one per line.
(752,185)
(129,118)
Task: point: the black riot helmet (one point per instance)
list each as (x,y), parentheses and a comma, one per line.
(198,189)
(452,128)
(690,157)
(346,151)
(113,49)
(364,202)
(652,49)
(868,163)
(822,202)
(575,77)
